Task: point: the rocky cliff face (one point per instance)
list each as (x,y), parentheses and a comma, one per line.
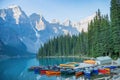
(27,33)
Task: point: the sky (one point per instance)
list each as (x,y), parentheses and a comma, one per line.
(75,10)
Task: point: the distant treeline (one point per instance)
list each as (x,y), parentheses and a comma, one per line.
(102,38)
(65,45)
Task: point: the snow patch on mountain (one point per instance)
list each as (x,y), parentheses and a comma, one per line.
(16,12)
(66,32)
(67,22)
(38,21)
(55,29)
(3,14)
(40,25)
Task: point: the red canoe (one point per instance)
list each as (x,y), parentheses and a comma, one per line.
(104,71)
(43,72)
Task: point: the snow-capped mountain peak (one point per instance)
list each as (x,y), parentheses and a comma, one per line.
(38,21)
(42,19)
(67,22)
(83,24)
(16,12)
(40,25)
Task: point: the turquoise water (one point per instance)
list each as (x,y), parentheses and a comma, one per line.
(17,68)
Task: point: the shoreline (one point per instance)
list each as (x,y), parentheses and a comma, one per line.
(83,57)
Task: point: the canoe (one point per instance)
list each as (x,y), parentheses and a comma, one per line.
(90,61)
(67,65)
(63,71)
(87,74)
(95,71)
(70,64)
(70,72)
(58,73)
(49,72)
(36,70)
(108,70)
(104,71)
(43,72)
(34,67)
(67,71)
(78,74)
(73,63)
(110,67)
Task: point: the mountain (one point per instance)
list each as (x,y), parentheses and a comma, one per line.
(67,22)
(47,30)
(15,28)
(83,24)
(26,33)
(10,44)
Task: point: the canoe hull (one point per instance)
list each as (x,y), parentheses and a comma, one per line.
(53,72)
(78,74)
(43,72)
(68,72)
(104,71)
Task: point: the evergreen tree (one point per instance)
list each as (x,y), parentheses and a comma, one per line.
(102,38)
(115,25)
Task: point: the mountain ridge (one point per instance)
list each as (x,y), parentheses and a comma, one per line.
(33,30)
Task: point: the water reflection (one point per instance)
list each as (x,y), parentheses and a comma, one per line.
(17,69)
(57,61)
(12,69)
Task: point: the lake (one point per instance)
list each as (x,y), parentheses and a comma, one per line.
(17,68)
